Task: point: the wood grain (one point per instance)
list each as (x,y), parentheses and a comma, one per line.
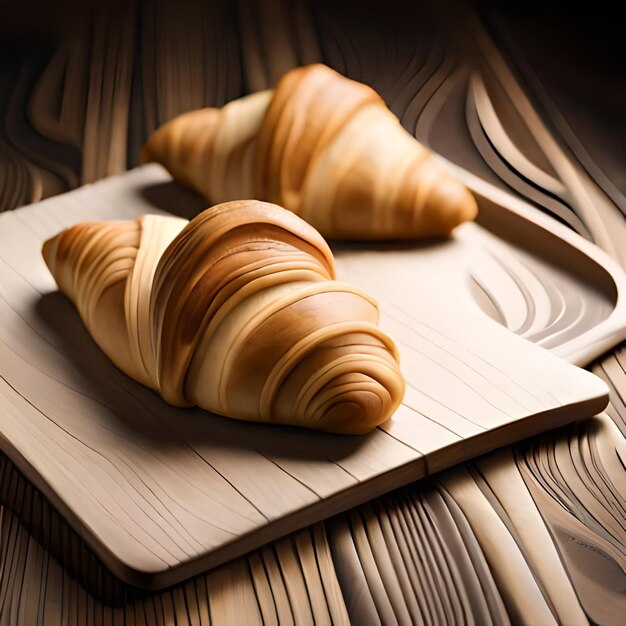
(293,581)
(397,50)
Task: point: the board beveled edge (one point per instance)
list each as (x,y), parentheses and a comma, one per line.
(347,498)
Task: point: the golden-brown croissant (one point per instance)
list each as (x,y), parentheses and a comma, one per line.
(236,311)
(323,146)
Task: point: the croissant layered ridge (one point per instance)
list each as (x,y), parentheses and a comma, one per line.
(106,268)
(323,146)
(237,311)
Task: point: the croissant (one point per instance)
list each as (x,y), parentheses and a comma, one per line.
(236,311)
(323,146)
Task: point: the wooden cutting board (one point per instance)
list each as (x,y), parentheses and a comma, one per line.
(162,493)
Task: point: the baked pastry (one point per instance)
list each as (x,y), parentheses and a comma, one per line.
(236,311)
(323,146)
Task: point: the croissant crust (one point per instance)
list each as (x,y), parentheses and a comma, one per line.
(236,311)
(323,146)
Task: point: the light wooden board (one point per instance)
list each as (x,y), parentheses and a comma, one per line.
(161,493)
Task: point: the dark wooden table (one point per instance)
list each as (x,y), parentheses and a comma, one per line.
(532,533)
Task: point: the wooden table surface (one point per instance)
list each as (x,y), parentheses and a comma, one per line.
(532,533)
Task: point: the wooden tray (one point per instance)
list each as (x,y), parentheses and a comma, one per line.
(161,493)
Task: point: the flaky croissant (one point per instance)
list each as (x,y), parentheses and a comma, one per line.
(323,146)
(236,311)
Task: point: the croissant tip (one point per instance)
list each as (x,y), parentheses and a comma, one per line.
(466,211)
(153,149)
(49,250)
(146,154)
(461,205)
(471,207)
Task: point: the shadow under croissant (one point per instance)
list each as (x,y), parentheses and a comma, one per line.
(181,201)
(174,198)
(144,417)
(340,247)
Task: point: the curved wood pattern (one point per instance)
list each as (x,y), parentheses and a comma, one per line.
(41,154)
(583,507)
